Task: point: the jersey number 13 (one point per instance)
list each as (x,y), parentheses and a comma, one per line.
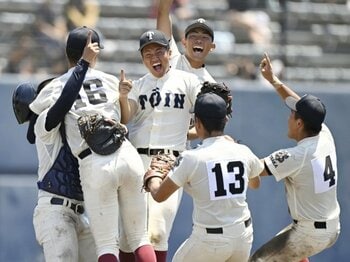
(227,179)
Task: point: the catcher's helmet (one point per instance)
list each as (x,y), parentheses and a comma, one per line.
(23,95)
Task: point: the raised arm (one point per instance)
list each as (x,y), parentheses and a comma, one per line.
(164,23)
(267,72)
(72,87)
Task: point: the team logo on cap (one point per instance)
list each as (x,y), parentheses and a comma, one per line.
(201,20)
(150,34)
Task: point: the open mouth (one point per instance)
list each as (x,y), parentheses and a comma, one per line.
(157,67)
(197,49)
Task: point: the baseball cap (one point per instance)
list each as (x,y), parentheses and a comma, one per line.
(210,105)
(153,36)
(78,36)
(200,23)
(309,107)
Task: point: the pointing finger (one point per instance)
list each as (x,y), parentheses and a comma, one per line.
(267,58)
(88,40)
(122,75)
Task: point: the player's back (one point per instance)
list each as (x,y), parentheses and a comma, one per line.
(312,190)
(98,94)
(219,181)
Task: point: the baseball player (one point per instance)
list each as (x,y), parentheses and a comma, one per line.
(309,172)
(160,104)
(111,183)
(216,175)
(60,224)
(198,43)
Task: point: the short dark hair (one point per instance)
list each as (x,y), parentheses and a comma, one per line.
(310,129)
(73,55)
(213,124)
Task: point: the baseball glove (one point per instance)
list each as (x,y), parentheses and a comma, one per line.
(103,136)
(221,90)
(160,166)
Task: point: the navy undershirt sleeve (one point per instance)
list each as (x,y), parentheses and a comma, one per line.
(267,169)
(30,131)
(56,113)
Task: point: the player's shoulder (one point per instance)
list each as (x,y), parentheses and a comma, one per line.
(180,72)
(185,76)
(143,80)
(189,157)
(102,75)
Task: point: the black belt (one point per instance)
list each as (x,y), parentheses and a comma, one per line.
(85,153)
(153,151)
(220,230)
(317,224)
(77,208)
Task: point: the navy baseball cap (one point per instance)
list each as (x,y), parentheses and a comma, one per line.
(153,37)
(78,36)
(200,23)
(310,109)
(210,105)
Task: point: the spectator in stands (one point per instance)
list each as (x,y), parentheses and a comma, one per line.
(249,23)
(80,13)
(40,46)
(49,32)
(19,60)
(249,16)
(182,11)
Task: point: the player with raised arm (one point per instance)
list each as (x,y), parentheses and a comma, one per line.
(160,104)
(216,175)
(60,223)
(309,171)
(110,180)
(198,42)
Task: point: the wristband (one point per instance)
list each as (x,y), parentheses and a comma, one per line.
(83,63)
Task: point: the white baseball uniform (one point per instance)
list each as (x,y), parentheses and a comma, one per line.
(216,176)
(112,183)
(179,61)
(310,175)
(61,230)
(161,122)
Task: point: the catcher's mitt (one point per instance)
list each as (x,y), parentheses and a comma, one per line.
(221,90)
(160,166)
(103,136)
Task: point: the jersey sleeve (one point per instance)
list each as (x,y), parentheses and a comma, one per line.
(134,92)
(181,173)
(284,162)
(47,137)
(174,49)
(255,165)
(46,98)
(194,87)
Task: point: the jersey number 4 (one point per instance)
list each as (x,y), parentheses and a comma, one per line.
(325,173)
(329,173)
(228,180)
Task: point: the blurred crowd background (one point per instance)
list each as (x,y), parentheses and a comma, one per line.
(309,40)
